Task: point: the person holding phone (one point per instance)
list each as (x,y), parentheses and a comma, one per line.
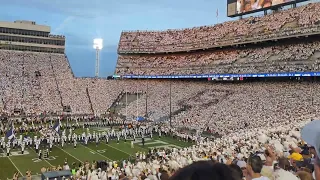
(311,134)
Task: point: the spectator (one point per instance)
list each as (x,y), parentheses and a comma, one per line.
(254,167)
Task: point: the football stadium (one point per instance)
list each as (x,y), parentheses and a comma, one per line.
(232,101)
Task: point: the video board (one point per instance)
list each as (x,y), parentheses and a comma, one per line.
(242,7)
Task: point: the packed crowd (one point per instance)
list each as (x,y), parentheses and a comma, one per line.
(259,123)
(304,19)
(297,57)
(193,104)
(225,108)
(284,152)
(246,116)
(44,83)
(20,88)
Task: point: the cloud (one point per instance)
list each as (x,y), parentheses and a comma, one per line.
(100,8)
(70,7)
(63,25)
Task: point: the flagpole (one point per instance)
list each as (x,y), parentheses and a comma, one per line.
(147,100)
(126,103)
(137,101)
(217,16)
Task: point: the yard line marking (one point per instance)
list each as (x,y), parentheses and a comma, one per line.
(15,166)
(138,147)
(68,153)
(96,152)
(117,149)
(42,158)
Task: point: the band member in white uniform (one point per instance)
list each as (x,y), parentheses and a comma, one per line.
(75,143)
(8,148)
(22,147)
(97,140)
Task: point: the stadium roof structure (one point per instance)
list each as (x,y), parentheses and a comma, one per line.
(289,74)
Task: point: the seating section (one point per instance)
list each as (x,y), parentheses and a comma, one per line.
(283,23)
(297,57)
(224,107)
(103,93)
(42,82)
(21,89)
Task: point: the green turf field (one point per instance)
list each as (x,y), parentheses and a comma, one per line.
(111,151)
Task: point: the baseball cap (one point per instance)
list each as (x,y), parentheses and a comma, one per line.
(242,164)
(296,156)
(311,134)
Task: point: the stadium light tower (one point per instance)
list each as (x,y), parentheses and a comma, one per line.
(97,45)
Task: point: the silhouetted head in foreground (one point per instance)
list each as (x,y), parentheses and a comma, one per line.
(205,170)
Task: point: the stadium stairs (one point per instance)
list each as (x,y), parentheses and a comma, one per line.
(315,56)
(120,102)
(90,102)
(114,106)
(1,103)
(56,81)
(69,66)
(198,95)
(174,113)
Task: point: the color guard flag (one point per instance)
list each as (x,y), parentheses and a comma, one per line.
(56,127)
(10,134)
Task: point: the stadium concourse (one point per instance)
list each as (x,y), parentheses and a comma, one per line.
(251,129)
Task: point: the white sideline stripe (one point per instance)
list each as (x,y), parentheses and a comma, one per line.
(165,146)
(140,139)
(139,147)
(68,153)
(43,159)
(15,166)
(155,142)
(118,149)
(96,152)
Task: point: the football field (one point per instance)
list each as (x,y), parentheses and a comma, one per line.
(114,151)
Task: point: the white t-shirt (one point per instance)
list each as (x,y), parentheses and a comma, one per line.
(261,178)
(282,174)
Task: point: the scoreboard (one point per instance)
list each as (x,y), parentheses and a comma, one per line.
(243,7)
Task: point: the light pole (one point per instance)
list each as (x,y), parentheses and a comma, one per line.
(97,45)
